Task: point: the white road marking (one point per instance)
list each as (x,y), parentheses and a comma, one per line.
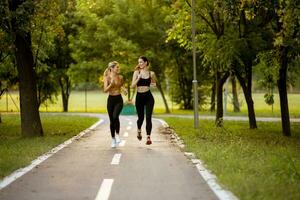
(20,172)
(116,159)
(125,134)
(122,144)
(105,188)
(128,128)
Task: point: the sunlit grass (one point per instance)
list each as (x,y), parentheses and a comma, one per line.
(95,101)
(16,151)
(253,164)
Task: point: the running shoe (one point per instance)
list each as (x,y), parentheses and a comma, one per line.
(118,140)
(113,143)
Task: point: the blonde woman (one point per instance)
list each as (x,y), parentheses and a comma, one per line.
(113,84)
(142,79)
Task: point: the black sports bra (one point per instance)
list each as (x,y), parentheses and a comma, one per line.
(144,81)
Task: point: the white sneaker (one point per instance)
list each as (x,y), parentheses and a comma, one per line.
(113,143)
(118,140)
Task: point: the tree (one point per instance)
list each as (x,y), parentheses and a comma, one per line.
(286,30)
(121,30)
(17,24)
(59,56)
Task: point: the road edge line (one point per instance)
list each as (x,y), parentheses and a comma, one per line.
(20,172)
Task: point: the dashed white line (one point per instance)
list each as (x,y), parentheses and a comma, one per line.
(105,188)
(116,159)
(128,128)
(125,134)
(122,144)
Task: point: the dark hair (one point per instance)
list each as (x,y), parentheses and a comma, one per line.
(145,59)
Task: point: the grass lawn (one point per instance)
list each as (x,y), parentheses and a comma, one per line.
(96,102)
(17,152)
(253,164)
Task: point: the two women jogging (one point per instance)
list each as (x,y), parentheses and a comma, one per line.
(142,79)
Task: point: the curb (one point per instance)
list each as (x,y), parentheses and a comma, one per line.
(208,177)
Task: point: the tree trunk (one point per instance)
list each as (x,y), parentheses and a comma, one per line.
(30,118)
(164,98)
(285,118)
(220,82)
(65,86)
(250,105)
(236,105)
(213,97)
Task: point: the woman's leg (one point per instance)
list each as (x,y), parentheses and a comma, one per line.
(139,105)
(116,113)
(149,111)
(110,110)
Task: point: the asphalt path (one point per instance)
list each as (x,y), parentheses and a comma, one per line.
(89,168)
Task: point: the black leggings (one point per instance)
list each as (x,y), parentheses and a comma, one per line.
(142,101)
(114,108)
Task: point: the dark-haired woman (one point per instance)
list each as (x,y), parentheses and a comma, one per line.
(143,78)
(113,84)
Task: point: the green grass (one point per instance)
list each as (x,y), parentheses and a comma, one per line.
(253,164)
(17,152)
(96,102)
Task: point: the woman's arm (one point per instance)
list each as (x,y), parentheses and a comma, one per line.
(122,88)
(106,85)
(153,79)
(135,78)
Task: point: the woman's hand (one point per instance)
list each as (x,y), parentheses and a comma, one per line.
(124,91)
(112,82)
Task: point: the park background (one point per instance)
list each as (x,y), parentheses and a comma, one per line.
(250,47)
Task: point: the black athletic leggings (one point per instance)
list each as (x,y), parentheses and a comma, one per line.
(142,101)
(114,108)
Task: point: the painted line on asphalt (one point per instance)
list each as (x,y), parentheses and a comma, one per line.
(209,178)
(105,188)
(125,134)
(128,127)
(20,172)
(122,143)
(116,159)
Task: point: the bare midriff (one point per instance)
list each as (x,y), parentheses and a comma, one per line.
(114,92)
(143,89)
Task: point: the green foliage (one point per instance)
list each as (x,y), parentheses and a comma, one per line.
(119,30)
(269,98)
(267,72)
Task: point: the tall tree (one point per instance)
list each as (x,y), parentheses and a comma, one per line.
(59,56)
(18,25)
(286,28)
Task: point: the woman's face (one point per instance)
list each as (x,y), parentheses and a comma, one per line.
(116,69)
(142,63)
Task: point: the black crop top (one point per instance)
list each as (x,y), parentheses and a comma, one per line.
(144,81)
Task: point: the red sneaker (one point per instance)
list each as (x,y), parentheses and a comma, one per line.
(148,141)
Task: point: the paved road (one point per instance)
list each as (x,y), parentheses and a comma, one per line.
(84,170)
